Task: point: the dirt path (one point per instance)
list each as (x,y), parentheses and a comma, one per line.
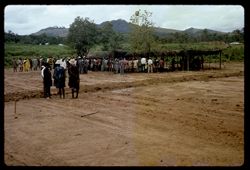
(170,119)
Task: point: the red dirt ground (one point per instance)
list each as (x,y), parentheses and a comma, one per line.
(168,119)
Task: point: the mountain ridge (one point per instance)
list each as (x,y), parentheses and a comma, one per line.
(123,26)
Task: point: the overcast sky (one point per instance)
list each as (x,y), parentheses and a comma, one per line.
(27,19)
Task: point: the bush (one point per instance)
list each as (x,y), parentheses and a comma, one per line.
(234,53)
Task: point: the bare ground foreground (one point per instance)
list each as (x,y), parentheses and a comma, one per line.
(168,119)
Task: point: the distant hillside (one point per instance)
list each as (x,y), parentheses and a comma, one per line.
(197,32)
(124,27)
(53,31)
(119,25)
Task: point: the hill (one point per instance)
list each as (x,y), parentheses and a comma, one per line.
(197,32)
(53,31)
(124,27)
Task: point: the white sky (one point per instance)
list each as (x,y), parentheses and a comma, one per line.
(27,19)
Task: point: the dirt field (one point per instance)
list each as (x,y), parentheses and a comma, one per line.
(167,119)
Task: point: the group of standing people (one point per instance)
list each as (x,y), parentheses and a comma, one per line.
(121,65)
(81,65)
(26,64)
(59,77)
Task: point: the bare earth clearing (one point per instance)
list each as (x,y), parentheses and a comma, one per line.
(168,119)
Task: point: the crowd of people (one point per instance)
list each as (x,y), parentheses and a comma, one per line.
(84,64)
(124,65)
(61,68)
(26,64)
(74,66)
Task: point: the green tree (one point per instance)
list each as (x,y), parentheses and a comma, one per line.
(110,39)
(237,35)
(106,33)
(82,35)
(11,37)
(141,36)
(204,35)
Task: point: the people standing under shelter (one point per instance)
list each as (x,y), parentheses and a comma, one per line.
(161,64)
(143,63)
(122,66)
(173,64)
(116,66)
(81,65)
(86,64)
(47,80)
(135,65)
(74,78)
(103,64)
(139,64)
(150,65)
(109,65)
(59,78)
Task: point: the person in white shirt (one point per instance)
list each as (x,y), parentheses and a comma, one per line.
(150,65)
(143,63)
(135,66)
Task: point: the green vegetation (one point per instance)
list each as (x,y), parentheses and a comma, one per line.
(193,46)
(28,51)
(234,53)
(33,39)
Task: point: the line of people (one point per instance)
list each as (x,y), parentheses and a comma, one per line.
(84,64)
(121,65)
(25,65)
(33,63)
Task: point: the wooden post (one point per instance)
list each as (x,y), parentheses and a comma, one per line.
(187,62)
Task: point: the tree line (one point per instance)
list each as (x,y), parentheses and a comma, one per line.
(204,36)
(33,39)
